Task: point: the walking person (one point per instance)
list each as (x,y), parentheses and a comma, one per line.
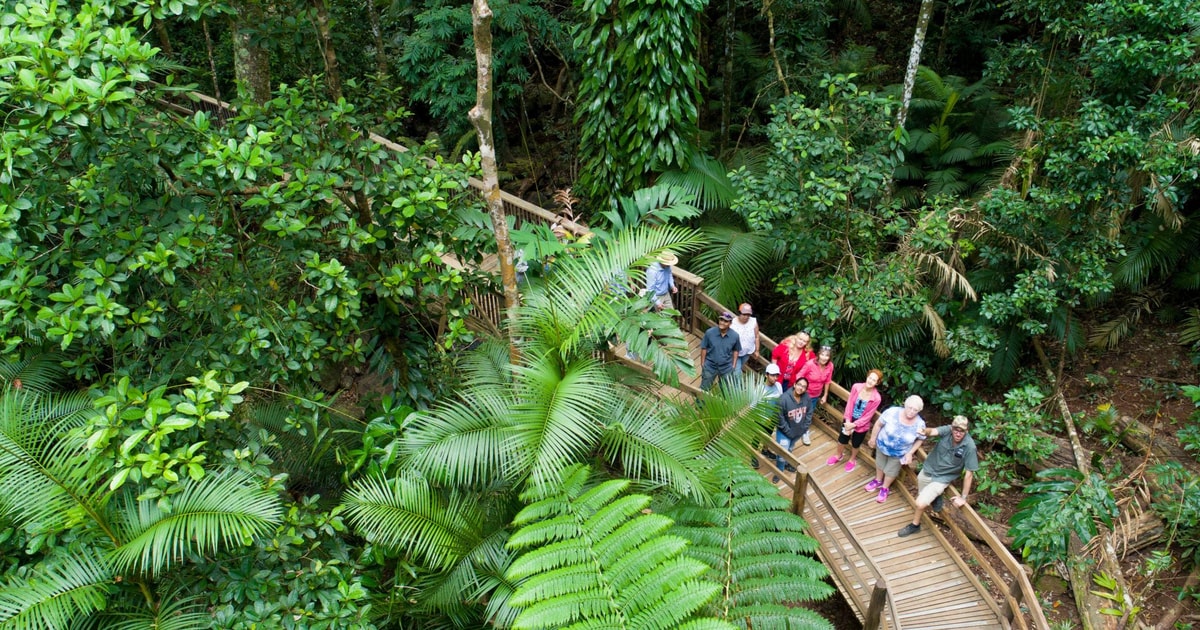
(746,326)
(660,281)
(718,351)
(793,420)
(953,455)
(856,420)
(819,374)
(895,438)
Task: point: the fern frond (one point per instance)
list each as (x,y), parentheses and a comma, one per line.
(592,559)
(755,556)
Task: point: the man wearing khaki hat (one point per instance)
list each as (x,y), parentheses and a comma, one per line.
(660,281)
(953,453)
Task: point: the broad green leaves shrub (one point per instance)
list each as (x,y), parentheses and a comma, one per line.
(1062,504)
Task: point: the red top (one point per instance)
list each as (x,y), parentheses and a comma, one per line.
(789,369)
(817,376)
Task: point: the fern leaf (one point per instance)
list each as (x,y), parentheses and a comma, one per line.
(757,557)
(592,559)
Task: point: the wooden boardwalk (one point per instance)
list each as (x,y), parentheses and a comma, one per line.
(930,585)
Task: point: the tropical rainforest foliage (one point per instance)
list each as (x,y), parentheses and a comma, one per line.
(241,384)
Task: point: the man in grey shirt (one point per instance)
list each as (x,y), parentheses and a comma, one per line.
(718,351)
(954,452)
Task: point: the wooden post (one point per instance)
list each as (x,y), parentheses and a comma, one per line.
(875,609)
(1014,590)
(799,491)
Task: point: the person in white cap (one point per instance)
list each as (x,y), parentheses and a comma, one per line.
(772,386)
(746,326)
(660,281)
(953,454)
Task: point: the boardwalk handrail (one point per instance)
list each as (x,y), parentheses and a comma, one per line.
(798,500)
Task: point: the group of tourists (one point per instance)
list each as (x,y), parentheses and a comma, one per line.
(799,378)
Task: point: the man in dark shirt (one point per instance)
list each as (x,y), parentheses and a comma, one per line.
(953,455)
(718,351)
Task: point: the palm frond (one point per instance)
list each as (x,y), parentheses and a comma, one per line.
(1108,335)
(734,263)
(176,612)
(58,592)
(937,330)
(948,278)
(647,447)
(590,556)
(464,443)
(39,374)
(1190,333)
(706,179)
(757,552)
(653,206)
(44,473)
(558,417)
(438,527)
(733,418)
(224,509)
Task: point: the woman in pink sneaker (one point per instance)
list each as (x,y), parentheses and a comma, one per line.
(856,421)
(895,438)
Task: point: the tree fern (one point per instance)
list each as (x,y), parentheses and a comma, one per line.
(592,559)
(756,550)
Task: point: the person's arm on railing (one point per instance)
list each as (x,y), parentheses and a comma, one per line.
(968,478)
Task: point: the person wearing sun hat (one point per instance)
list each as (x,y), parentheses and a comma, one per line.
(953,455)
(718,351)
(746,326)
(660,281)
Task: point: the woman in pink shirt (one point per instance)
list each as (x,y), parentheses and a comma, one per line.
(819,373)
(856,421)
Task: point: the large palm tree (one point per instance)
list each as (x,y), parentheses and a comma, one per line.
(471,463)
(111,562)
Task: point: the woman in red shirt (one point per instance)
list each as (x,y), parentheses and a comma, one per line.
(791,355)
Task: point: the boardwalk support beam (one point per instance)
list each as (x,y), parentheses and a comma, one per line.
(1012,603)
(875,609)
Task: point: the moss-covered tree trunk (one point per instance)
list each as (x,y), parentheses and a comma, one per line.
(251,63)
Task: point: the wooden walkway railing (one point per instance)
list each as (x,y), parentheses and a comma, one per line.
(851,562)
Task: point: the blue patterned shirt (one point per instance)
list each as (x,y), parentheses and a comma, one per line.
(895,438)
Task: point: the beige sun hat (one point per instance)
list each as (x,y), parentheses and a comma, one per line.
(668,258)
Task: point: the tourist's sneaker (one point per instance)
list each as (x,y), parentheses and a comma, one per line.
(909,530)
(873,485)
(833,459)
(883,492)
(850,465)
(806,439)
(774,478)
(937,504)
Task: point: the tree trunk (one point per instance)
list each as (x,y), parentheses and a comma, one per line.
(333,78)
(164,40)
(727,77)
(381,60)
(251,64)
(481,118)
(212,63)
(914,59)
(1088,604)
(771,46)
